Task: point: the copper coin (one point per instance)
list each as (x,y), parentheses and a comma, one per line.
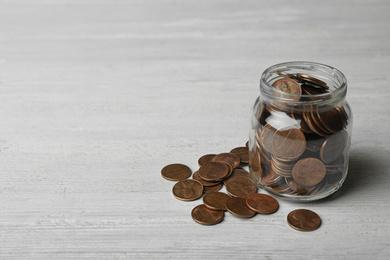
(289,144)
(228,158)
(270,179)
(237,172)
(304,220)
(176,172)
(255,163)
(213,171)
(332,119)
(241,187)
(266,137)
(308,172)
(205,159)
(288,85)
(243,153)
(262,203)
(205,184)
(238,207)
(212,188)
(205,216)
(333,147)
(283,73)
(301,121)
(247,144)
(216,200)
(187,190)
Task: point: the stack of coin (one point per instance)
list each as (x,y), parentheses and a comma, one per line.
(298,148)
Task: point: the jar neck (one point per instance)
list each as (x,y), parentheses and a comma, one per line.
(335,80)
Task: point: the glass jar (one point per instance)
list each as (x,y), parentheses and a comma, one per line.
(301,129)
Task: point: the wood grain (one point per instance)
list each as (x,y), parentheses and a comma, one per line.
(98,96)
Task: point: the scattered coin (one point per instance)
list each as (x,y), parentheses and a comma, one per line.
(304,220)
(213,171)
(216,200)
(241,187)
(212,188)
(243,153)
(205,184)
(228,158)
(176,172)
(205,159)
(202,215)
(187,190)
(238,207)
(262,203)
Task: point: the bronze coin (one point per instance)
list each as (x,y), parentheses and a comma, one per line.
(205,184)
(308,172)
(304,220)
(241,187)
(205,216)
(228,158)
(288,85)
(333,147)
(205,159)
(176,172)
(187,190)
(332,119)
(212,188)
(213,171)
(262,203)
(266,138)
(243,153)
(238,207)
(216,200)
(289,144)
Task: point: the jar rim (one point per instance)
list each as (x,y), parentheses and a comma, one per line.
(333,96)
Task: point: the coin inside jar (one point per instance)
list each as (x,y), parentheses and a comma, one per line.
(262,203)
(304,220)
(202,215)
(187,190)
(333,147)
(308,172)
(176,172)
(288,85)
(289,144)
(216,200)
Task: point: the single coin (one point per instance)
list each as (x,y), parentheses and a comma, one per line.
(205,159)
(283,73)
(228,158)
(333,147)
(304,220)
(241,187)
(237,172)
(288,85)
(308,172)
(332,119)
(212,188)
(202,215)
(213,171)
(216,200)
(205,184)
(266,138)
(262,203)
(238,207)
(243,153)
(187,190)
(176,172)
(289,144)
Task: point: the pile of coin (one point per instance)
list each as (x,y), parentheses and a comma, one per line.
(298,146)
(241,199)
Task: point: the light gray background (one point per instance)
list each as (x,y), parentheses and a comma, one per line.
(97,96)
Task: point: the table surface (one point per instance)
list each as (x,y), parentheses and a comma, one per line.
(98,96)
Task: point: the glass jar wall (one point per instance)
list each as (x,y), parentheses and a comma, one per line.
(300,131)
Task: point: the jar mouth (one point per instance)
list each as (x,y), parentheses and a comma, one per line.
(335,80)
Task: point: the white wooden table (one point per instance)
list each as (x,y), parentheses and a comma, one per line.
(97,96)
